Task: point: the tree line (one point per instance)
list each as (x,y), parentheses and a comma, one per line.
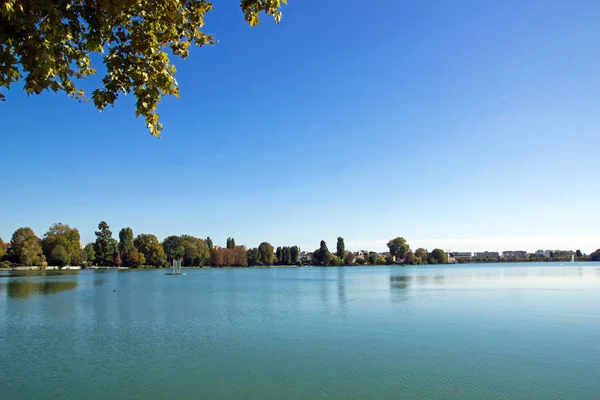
(61,246)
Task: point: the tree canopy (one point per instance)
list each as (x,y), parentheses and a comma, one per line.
(62,245)
(48,45)
(398,248)
(26,247)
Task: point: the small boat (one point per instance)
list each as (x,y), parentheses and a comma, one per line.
(176,268)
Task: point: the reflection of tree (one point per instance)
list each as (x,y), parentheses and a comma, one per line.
(400,281)
(24,288)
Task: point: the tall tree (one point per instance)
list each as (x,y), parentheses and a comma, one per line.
(90,254)
(595,256)
(2,249)
(230,243)
(278,255)
(341,248)
(105,245)
(26,247)
(62,245)
(126,246)
(294,253)
(287,255)
(398,248)
(209,243)
(267,255)
(195,253)
(253,257)
(50,45)
(348,258)
(322,256)
(173,246)
(152,250)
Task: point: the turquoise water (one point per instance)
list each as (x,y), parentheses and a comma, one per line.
(510,331)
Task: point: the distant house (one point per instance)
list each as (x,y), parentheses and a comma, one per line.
(461,255)
(515,254)
(487,254)
(305,257)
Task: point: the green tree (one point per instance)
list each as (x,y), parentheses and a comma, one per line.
(278,255)
(126,246)
(322,256)
(49,46)
(105,245)
(373,257)
(209,243)
(253,257)
(410,258)
(62,245)
(287,255)
(578,254)
(421,256)
(398,248)
(341,248)
(153,252)
(438,256)
(90,254)
(2,249)
(266,253)
(195,251)
(230,243)
(349,258)
(26,247)
(294,253)
(173,246)
(595,256)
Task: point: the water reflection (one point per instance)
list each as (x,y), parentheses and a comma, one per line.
(21,288)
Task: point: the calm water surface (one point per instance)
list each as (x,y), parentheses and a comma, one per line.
(510,331)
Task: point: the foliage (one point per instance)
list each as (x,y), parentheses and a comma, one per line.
(149,247)
(372,258)
(398,248)
(348,258)
(341,248)
(294,253)
(90,254)
(595,256)
(266,254)
(253,257)
(173,246)
(105,245)
(438,256)
(230,243)
(2,249)
(322,256)
(410,258)
(422,254)
(126,246)
(49,44)
(195,251)
(235,257)
(26,248)
(62,245)
(578,254)
(209,243)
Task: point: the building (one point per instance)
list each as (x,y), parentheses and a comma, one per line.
(515,254)
(305,257)
(487,254)
(543,253)
(461,255)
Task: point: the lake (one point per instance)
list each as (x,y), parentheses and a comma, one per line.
(478,331)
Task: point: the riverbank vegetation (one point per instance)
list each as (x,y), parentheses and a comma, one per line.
(61,246)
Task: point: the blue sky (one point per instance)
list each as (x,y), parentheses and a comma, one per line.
(466,125)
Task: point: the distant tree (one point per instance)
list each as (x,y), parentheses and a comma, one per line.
(348,258)
(410,258)
(595,256)
(361,260)
(105,245)
(173,247)
(421,256)
(341,248)
(137,259)
(438,256)
(90,254)
(373,257)
(2,249)
(62,245)
(253,257)
(267,255)
(209,243)
(153,252)
(26,248)
(126,246)
(287,255)
(294,253)
(118,262)
(278,255)
(578,254)
(230,243)
(322,256)
(195,253)
(398,248)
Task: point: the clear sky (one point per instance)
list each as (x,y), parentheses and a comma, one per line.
(468,125)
